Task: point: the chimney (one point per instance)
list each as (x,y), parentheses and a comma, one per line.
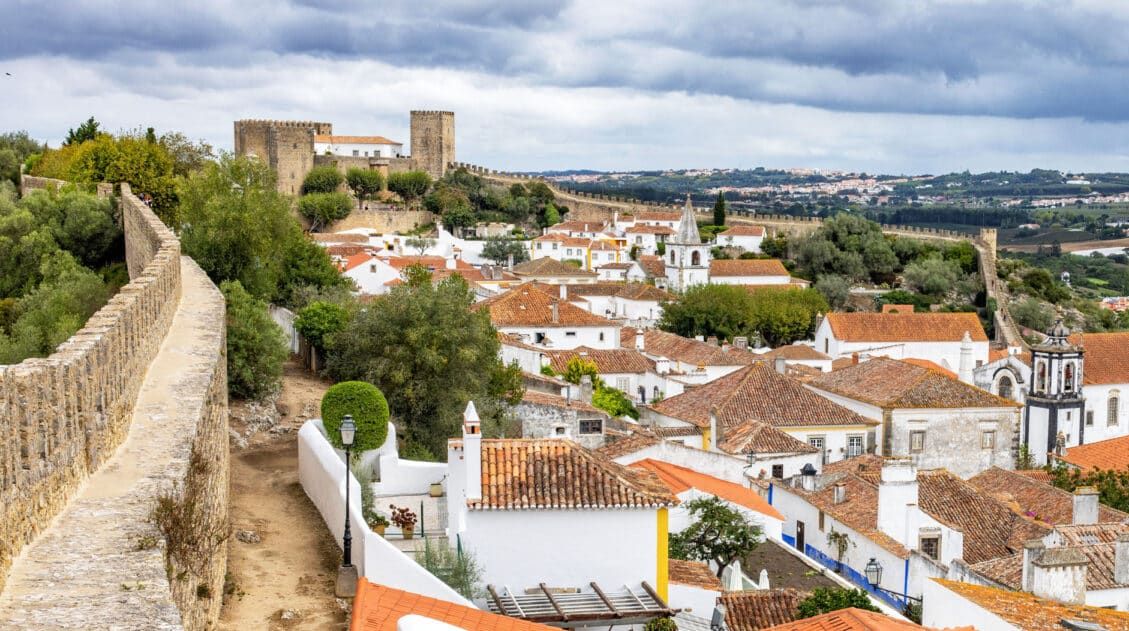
(896,492)
(741,342)
(712,340)
(640,341)
(586,389)
(509,261)
(556,313)
(1121,559)
(854,359)
(450,263)
(781,365)
(840,493)
(1085,506)
(564,291)
(1060,574)
(700,338)
(472,451)
(1032,550)
(715,429)
(807,477)
(964,372)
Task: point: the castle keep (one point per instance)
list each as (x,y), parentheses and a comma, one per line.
(288,148)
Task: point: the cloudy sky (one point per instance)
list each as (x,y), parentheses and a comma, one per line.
(896,86)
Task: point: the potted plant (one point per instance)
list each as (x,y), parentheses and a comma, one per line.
(404,519)
(436,489)
(377,522)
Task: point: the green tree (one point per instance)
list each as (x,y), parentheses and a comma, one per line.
(718,534)
(721,310)
(719,209)
(836,289)
(365,184)
(428,352)
(613,401)
(1032,313)
(827,599)
(409,185)
(776,247)
(368,407)
(459,569)
(187,156)
(256,346)
(578,367)
(932,276)
(323,179)
(15,149)
(500,249)
(552,215)
(420,244)
(84,132)
(319,321)
(81,223)
(785,315)
(322,209)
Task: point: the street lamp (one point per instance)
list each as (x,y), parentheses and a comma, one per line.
(347,573)
(873,572)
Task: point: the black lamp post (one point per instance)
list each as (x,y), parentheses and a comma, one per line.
(873,572)
(347,573)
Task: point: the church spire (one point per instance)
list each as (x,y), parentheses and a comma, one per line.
(688,227)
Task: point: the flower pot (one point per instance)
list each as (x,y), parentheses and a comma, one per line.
(409,531)
(379,529)
(436,490)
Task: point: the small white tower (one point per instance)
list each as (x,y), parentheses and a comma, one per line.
(687,258)
(472,451)
(1054,403)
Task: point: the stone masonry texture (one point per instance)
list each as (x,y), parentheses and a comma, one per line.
(90,437)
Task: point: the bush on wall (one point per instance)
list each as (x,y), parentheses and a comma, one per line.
(368,407)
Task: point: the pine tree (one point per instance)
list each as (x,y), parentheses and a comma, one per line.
(719,210)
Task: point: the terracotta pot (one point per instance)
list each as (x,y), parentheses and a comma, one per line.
(379,529)
(409,532)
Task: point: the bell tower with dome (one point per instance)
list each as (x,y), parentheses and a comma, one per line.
(1053,416)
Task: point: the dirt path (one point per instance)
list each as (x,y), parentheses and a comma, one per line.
(286,580)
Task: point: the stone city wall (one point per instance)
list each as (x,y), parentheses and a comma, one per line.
(62,417)
(383,221)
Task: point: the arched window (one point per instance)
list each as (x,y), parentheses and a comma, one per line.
(1006,386)
(1113,407)
(1068,378)
(1041,380)
(696,258)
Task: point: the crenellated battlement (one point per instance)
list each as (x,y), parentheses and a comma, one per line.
(263,122)
(431,112)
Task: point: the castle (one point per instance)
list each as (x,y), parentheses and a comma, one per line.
(288,147)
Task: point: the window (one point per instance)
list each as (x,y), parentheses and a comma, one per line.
(1089,418)
(1113,405)
(639,240)
(672,258)
(601,336)
(778,471)
(854,446)
(821,521)
(1041,380)
(568,252)
(988,439)
(827,345)
(570,333)
(356,153)
(622,384)
(1006,386)
(696,258)
(819,442)
(538,246)
(591,426)
(372,269)
(917,441)
(931,547)
(554,246)
(1068,378)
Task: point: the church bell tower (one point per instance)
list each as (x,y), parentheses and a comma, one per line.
(1053,417)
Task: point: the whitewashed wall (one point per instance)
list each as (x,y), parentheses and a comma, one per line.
(284,318)
(585,335)
(943,608)
(697,600)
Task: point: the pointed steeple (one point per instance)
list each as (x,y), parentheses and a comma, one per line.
(688,228)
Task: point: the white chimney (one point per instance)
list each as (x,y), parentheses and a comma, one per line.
(741,342)
(964,373)
(807,477)
(472,451)
(897,492)
(640,342)
(555,310)
(586,388)
(715,429)
(1032,550)
(781,365)
(564,291)
(1085,506)
(1121,559)
(1060,574)
(839,493)
(449,263)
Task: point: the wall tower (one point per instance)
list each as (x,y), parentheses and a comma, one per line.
(285,146)
(1054,403)
(433,141)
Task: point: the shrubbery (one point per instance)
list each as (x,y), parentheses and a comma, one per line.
(323,179)
(368,407)
(256,346)
(323,209)
(364,183)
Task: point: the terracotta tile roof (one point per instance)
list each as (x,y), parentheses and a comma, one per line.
(338,237)
(1101,559)
(379,608)
(840,363)
(520,474)
(891,383)
(859,510)
(629,291)
(543,380)
(540,398)
(528,306)
(652,265)
(614,266)
(906,327)
(743,231)
(753,610)
(625,445)
(404,262)
(761,438)
(935,367)
(797,352)
(578,226)
(1029,613)
(643,291)
(996,354)
(1024,494)
(757,393)
(658,215)
(354,140)
(686,350)
(854,619)
(680,479)
(1105,358)
(345,249)
(669,432)
(693,573)
(356,261)
(612,360)
(897,308)
(646,229)
(1111,454)
(546,266)
(747,267)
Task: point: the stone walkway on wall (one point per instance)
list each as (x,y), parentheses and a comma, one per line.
(97,566)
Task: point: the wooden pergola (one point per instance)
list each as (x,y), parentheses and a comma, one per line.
(581,609)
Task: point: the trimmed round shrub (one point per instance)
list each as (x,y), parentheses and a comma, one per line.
(369,409)
(323,209)
(323,179)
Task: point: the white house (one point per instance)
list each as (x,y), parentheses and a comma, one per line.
(745,237)
(549,270)
(371,275)
(936,337)
(542,319)
(749,272)
(694,588)
(952,603)
(646,238)
(929,417)
(529,526)
(693,361)
(586,229)
(638,304)
(1105,384)
(624,271)
(800,355)
(666,218)
(357,146)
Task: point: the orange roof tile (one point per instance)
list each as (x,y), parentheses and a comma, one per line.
(743,231)
(1111,454)
(761,438)
(854,619)
(356,261)
(692,573)
(686,350)
(648,229)
(527,305)
(1105,358)
(906,327)
(897,308)
(925,363)
(891,383)
(611,360)
(796,352)
(541,398)
(522,474)
(1027,495)
(680,479)
(379,608)
(1030,613)
(430,262)
(546,266)
(747,267)
(578,226)
(354,140)
(654,266)
(753,610)
(632,443)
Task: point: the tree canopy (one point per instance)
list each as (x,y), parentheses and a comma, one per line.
(778,315)
(827,599)
(718,534)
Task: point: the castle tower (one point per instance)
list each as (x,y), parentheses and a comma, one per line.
(1054,404)
(287,147)
(433,141)
(687,259)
